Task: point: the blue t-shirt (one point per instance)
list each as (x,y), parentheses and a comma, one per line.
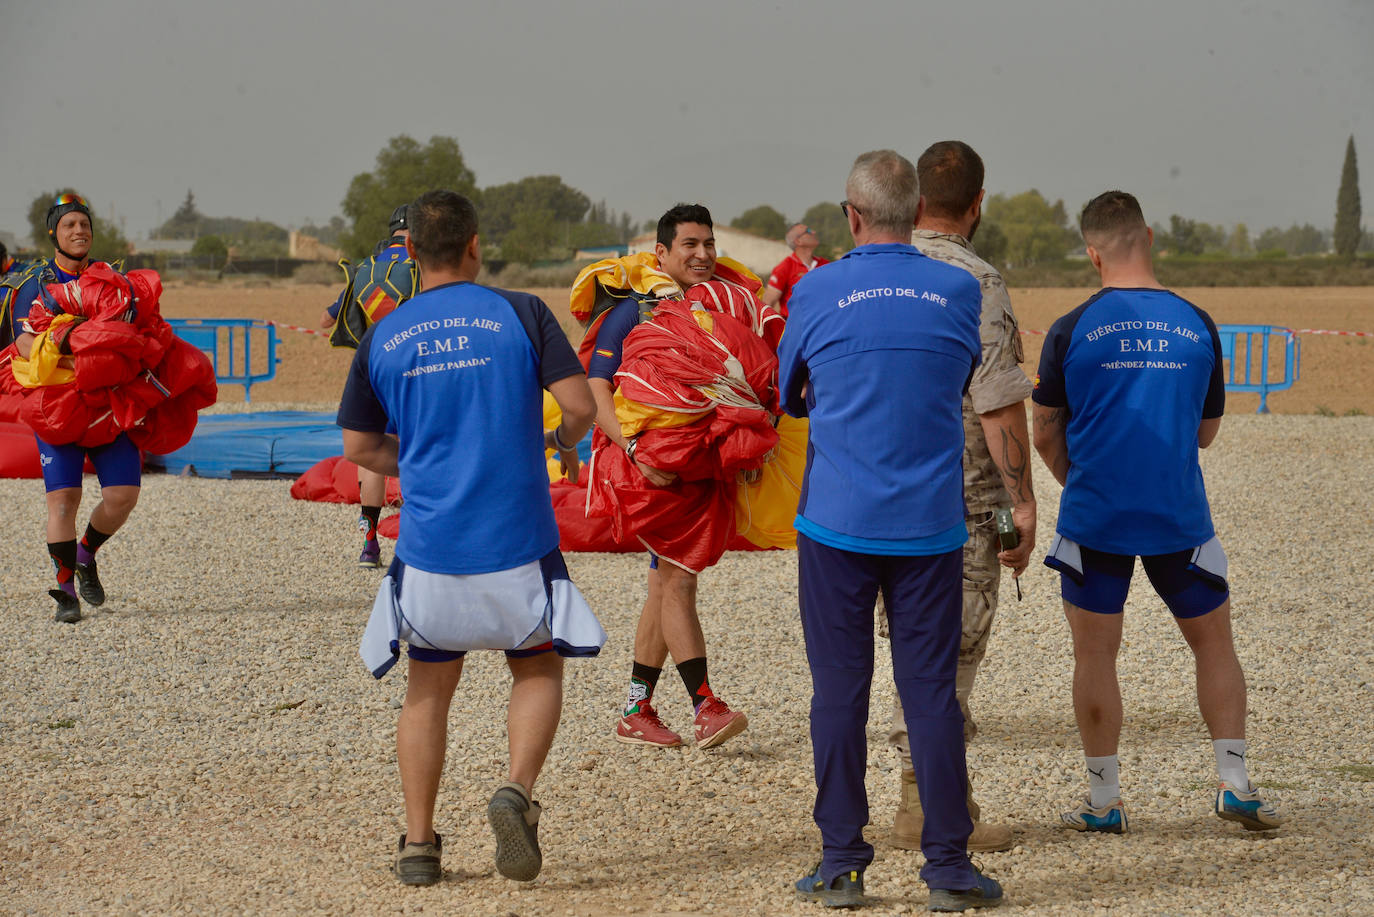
(878,352)
(1138,370)
(610,340)
(457,376)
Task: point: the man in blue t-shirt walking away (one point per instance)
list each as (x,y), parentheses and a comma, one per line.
(878,353)
(446,394)
(1130,386)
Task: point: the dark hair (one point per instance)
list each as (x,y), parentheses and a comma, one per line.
(4,253)
(681,213)
(1114,213)
(442,223)
(951,175)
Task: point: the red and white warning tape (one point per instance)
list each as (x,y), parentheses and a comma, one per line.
(313,331)
(1353,334)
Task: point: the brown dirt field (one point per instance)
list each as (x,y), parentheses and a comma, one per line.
(1337,373)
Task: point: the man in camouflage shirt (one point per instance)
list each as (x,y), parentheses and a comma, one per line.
(996,455)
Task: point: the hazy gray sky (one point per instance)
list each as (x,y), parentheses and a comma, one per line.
(1220,111)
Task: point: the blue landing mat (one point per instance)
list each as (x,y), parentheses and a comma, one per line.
(266,444)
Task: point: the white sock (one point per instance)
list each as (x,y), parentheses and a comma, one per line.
(1104,780)
(1231,762)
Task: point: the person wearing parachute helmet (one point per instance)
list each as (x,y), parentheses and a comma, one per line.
(118,464)
(21,287)
(373,288)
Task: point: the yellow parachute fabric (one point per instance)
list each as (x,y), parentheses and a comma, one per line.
(638,272)
(43,365)
(765,510)
(553,416)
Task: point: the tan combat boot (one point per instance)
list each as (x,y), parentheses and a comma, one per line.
(910,819)
(906,826)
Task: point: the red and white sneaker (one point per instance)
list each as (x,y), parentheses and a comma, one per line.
(716,722)
(645,728)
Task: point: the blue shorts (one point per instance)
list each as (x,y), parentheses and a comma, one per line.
(1107,580)
(117,464)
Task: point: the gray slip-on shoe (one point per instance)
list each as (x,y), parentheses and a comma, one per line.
(514,820)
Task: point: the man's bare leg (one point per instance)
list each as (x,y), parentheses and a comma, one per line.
(62,508)
(1221,696)
(371,487)
(1220,680)
(650,647)
(1096,692)
(536,704)
(714,721)
(679,624)
(116,503)
(422,739)
(1097,708)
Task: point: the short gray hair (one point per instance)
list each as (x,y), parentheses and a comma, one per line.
(884,188)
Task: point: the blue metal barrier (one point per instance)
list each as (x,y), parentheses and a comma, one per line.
(1255,377)
(233,337)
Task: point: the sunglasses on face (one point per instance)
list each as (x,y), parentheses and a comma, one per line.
(846,207)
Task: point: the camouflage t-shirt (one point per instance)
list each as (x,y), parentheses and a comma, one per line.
(998,381)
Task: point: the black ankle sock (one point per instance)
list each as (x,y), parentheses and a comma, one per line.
(371,514)
(93,539)
(643,680)
(63,554)
(693,672)
(647,674)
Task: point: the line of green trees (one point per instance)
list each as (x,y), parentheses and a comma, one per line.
(216,235)
(533,219)
(1026,229)
(541,218)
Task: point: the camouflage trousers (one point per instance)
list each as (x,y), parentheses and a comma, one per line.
(982,576)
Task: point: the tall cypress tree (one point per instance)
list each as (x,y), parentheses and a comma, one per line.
(1347,234)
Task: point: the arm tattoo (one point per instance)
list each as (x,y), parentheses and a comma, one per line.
(1014,464)
(1055,417)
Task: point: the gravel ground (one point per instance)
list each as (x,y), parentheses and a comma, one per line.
(209,740)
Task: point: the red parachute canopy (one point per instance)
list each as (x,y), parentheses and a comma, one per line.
(132,373)
(725,378)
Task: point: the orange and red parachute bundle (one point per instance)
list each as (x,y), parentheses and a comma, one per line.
(128,371)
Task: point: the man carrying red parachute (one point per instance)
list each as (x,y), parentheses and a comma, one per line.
(101,376)
(683,336)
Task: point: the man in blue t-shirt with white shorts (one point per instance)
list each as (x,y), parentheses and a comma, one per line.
(446,394)
(1130,386)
